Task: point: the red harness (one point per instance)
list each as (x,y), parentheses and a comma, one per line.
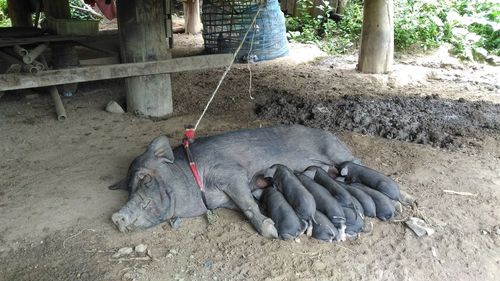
(189,135)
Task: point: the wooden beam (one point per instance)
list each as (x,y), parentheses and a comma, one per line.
(93,73)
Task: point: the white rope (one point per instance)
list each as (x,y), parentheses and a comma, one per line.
(227,69)
(248,64)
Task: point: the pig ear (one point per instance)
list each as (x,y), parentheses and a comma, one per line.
(119,185)
(161,148)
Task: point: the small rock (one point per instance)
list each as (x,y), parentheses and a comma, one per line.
(141,248)
(434,252)
(318,265)
(123,252)
(497,231)
(297,240)
(114,107)
(173,251)
(169,256)
(484,232)
(208,264)
(419,226)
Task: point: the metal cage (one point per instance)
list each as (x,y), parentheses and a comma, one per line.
(225,23)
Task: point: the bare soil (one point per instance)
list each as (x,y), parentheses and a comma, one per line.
(55,206)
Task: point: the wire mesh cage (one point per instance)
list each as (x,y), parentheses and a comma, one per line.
(225,23)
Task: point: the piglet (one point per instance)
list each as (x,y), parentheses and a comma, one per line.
(295,193)
(323,229)
(286,221)
(326,204)
(383,205)
(371,178)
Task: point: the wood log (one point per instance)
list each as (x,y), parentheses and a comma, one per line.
(192,20)
(142,38)
(102,72)
(376,54)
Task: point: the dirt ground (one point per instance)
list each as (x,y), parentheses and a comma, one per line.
(55,206)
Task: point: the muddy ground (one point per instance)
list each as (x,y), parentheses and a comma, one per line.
(55,206)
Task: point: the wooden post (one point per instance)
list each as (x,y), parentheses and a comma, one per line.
(192,20)
(20,12)
(142,38)
(376,54)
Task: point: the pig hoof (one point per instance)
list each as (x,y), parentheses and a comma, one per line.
(309,230)
(175,223)
(406,199)
(268,230)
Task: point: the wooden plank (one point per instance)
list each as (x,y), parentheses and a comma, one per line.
(100,61)
(6,42)
(103,72)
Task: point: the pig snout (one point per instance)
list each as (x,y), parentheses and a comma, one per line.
(123,221)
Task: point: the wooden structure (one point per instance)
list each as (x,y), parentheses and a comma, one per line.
(376,54)
(144,47)
(145,51)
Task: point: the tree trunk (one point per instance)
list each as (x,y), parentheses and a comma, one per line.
(142,38)
(20,12)
(341,5)
(192,21)
(376,54)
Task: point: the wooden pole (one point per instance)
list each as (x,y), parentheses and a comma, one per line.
(192,20)
(376,54)
(142,38)
(20,12)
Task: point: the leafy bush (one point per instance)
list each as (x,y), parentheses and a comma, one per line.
(4,18)
(79,13)
(472,27)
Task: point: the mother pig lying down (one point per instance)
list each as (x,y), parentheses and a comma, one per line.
(232,165)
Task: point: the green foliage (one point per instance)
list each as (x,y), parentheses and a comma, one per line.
(418,25)
(470,26)
(332,37)
(79,13)
(4,18)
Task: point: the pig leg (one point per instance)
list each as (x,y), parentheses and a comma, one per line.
(237,189)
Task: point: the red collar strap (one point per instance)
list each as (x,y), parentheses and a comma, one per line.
(189,135)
